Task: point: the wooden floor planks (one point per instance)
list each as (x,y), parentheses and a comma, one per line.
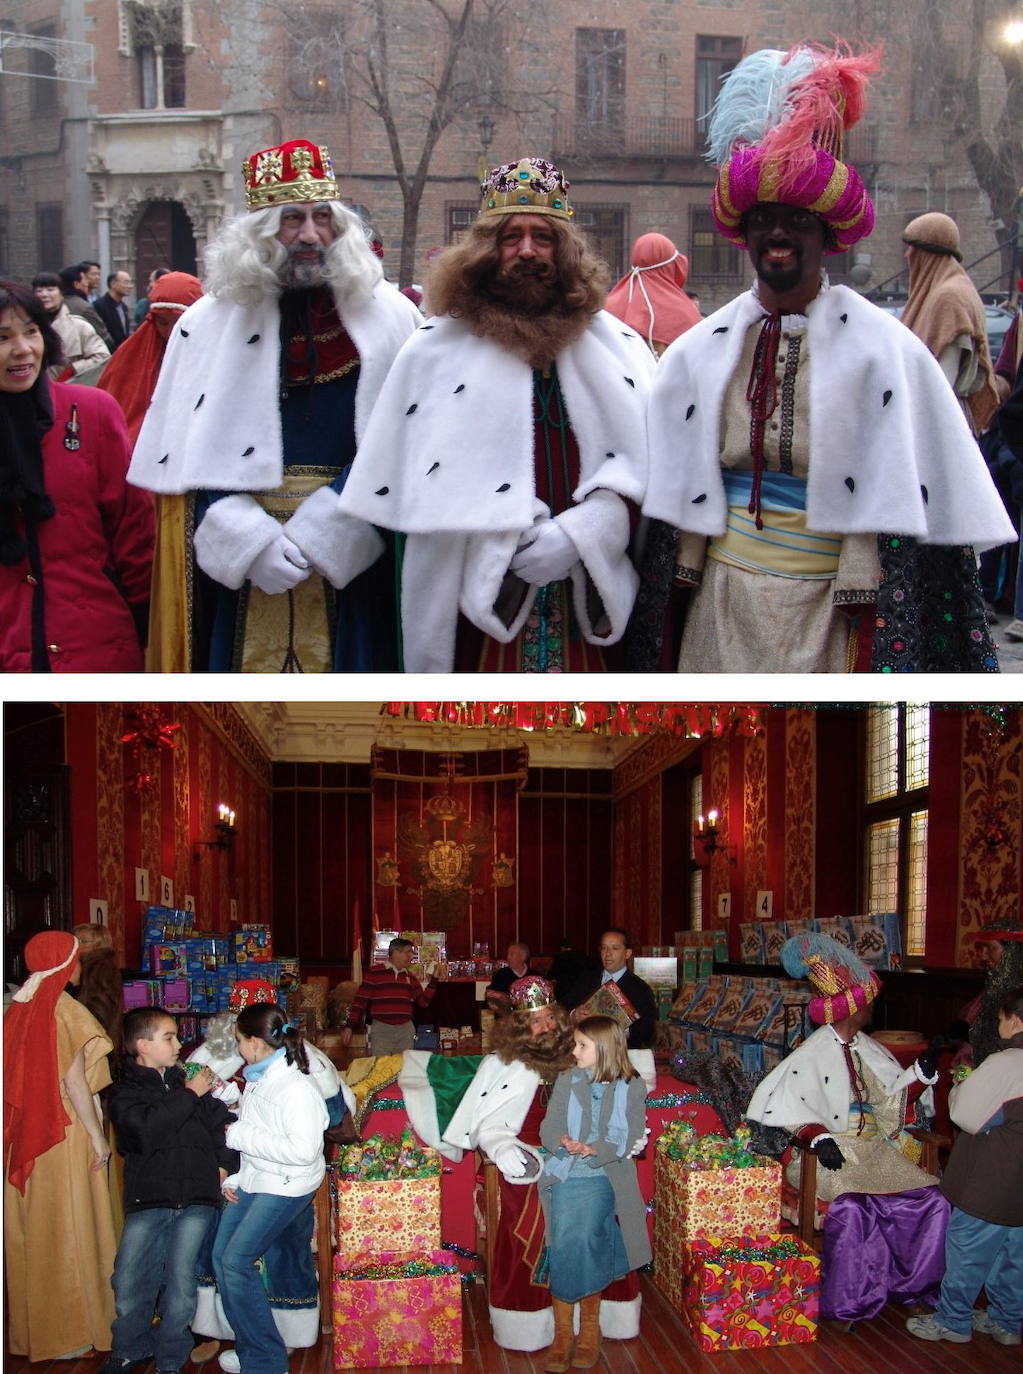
(664,1346)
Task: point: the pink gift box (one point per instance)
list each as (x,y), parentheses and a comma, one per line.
(380,1322)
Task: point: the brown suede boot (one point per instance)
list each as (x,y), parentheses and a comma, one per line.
(559,1357)
(587,1347)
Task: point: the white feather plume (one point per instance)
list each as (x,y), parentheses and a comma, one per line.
(753,99)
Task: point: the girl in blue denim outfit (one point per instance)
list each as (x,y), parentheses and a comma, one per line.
(596,1219)
(279,1135)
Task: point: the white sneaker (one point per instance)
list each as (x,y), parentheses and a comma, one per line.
(229,1362)
(930,1329)
(982,1322)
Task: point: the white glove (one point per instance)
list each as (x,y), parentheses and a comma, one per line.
(640,1145)
(510,1159)
(280,566)
(547,555)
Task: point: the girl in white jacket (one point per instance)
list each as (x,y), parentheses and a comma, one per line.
(279,1134)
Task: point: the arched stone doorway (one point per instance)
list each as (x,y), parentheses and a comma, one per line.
(163,238)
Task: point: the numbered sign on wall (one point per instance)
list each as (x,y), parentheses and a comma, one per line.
(724,905)
(142,884)
(765,905)
(189,902)
(234,910)
(98,911)
(166,891)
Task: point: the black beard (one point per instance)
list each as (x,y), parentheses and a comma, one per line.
(780,281)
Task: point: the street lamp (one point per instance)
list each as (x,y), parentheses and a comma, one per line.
(486,129)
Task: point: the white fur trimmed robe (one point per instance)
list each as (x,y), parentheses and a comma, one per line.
(448,459)
(215,424)
(890,449)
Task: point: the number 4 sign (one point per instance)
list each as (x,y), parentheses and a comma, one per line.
(765,905)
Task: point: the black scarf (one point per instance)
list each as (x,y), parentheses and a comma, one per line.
(24,418)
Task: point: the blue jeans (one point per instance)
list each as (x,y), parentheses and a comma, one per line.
(247,1227)
(158,1250)
(979,1254)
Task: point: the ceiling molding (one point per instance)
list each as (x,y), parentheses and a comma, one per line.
(345,732)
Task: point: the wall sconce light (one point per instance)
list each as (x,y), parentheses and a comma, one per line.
(226,831)
(708,840)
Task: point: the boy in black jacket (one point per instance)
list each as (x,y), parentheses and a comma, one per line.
(171,1134)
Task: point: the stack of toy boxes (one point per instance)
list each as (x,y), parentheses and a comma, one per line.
(397,1295)
(753,1021)
(195,970)
(715,939)
(876,938)
(719,1256)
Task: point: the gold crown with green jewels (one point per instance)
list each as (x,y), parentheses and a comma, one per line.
(530,186)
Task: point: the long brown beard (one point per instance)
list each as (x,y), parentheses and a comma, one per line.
(547,1054)
(525,313)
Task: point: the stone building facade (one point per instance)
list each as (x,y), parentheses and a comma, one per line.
(138,168)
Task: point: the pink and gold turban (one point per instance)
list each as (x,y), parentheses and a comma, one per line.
(777,131)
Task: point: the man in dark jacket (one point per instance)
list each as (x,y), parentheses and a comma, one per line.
(171,1133)
(984,1183)
(74,282)
(112,308)
(615,952)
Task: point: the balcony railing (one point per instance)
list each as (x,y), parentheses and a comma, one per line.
(653,136)
(640,136)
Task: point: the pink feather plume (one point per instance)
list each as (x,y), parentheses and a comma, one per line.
(821,106)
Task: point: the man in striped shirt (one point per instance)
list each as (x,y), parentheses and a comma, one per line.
(387,995)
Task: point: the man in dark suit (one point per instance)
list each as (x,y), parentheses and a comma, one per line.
(112,307)
(615,952)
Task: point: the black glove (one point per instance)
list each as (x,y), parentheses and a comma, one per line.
(927,1064)
(827,1152)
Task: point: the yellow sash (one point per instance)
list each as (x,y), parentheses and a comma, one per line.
(783,547)
(298,620)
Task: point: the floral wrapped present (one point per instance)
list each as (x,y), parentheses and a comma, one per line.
(751,1290)
(396,1309)
(707,1185)
(387,1196)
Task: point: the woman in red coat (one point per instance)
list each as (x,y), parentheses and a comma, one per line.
(76,542)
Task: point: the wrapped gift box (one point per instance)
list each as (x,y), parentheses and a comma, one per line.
(397,1314)
(690,1203)
(751,1290)
(390,1214)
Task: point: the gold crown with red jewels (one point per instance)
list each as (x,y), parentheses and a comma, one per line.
(291,173)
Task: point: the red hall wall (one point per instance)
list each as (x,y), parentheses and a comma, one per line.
(790,804)
(118,828)
(323,870)
(594,847)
